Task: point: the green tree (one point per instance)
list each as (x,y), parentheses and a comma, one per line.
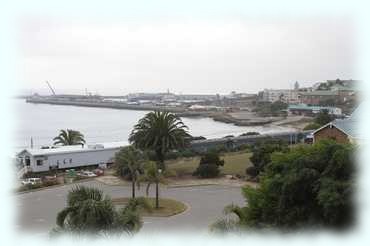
(89,211)
(311,186)
(160,132)
(69,137)
(130,162)
(209,165)
(261,153)
(323,117)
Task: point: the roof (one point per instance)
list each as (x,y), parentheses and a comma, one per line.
(320,93)
(348,126)
(314,108)
(341,88)
(75,148)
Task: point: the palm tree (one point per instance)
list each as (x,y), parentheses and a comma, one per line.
(130,159)
(159,132)
(89,211)
(69,137)
(151,176)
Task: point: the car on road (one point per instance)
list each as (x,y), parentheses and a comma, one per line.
(31,181)
(87,174)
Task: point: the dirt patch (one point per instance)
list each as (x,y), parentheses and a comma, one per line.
(111,180)
(191,181)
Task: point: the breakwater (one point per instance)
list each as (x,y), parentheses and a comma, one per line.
(105,104)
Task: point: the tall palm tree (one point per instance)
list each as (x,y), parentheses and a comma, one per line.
(130,159)
(69,137)
(89,211)
(159,132)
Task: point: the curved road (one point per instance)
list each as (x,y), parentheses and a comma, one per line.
(38,210)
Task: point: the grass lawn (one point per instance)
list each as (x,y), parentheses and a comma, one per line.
(167,207)
(235,163)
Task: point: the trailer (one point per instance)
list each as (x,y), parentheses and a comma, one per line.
(65,157)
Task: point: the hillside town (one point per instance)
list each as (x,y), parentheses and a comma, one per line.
(324,118)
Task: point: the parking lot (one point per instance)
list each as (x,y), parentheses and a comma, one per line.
(38,209)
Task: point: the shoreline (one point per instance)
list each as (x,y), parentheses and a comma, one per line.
(250,120)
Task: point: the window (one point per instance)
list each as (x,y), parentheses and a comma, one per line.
(64,161)
(57,162)
(28,161)
(70,160)
(39,162)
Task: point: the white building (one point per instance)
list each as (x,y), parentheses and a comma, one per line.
(41,160)
(286,96)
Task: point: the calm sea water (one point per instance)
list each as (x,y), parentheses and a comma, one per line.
(42,122)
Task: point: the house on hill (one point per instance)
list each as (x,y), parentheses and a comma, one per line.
(340,130)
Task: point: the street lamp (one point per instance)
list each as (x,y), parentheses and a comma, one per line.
(157,189)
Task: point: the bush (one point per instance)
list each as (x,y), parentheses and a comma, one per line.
(49,183)
(250,134)
(188,153)
(261,152)
(211,158)
(308,187)
(323,117)
(209,165)
(207,171)
(251,171)
(169,173)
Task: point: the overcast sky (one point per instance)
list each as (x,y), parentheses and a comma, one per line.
(182,55)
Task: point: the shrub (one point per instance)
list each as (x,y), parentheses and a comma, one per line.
(207,171)
(188,153)
(211,158)
(251,171)
(49,183)
(250,134)
(308,187)
(209,165)
(169,173)
(323,117)
(261,152)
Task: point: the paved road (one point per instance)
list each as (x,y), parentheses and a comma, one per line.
(38,210)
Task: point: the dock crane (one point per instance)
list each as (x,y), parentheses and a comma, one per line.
(51,88)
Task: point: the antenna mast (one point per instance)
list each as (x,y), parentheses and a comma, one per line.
(51,88)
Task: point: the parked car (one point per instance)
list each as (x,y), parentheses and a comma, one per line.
(99,172)
(87,174)
(31,181)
